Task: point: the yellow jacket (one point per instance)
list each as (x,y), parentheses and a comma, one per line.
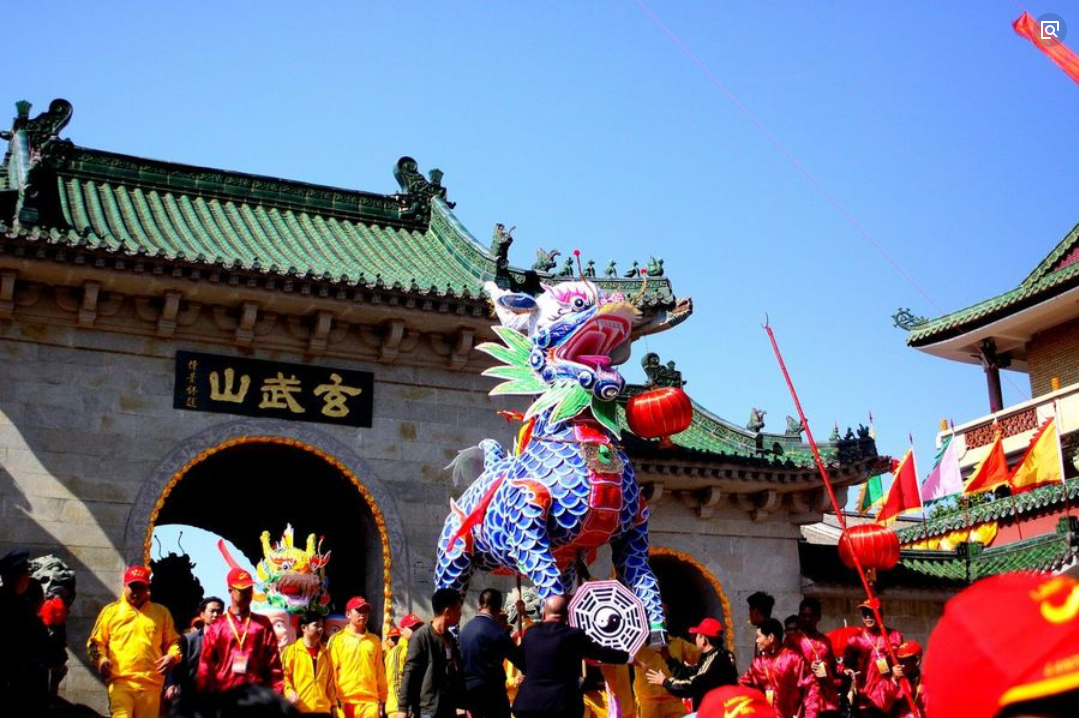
(132,640)
(312,681)
(395,665)
(681,650)
(358,671)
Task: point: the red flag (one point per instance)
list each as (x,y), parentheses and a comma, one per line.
(903,496)
(1043,39)
(992,472)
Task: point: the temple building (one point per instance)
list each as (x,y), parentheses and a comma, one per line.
(1033,329)
(184,345)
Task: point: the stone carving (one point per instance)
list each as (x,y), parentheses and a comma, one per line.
(756,420)
(590,268)
(660,375)
(794,427)
(655,267)
(567,268)
(415,203)
(634,271)
(545,261)
(611,271)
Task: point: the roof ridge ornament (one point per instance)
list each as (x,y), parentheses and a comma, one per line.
(415,202)
(906,320)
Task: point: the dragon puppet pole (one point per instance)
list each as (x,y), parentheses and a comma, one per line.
(873,601)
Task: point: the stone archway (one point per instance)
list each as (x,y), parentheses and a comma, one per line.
(690,591)
(359,502)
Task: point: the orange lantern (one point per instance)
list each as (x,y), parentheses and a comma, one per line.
(658,413)
(876,546)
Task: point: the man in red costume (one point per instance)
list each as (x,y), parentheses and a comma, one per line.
(241,647)
(782,674)
(816,649)
(867,656)
(909,655)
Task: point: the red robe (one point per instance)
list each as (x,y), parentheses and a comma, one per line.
(816,647)
(784,676)
(900,706)
(225,664)
(863,651)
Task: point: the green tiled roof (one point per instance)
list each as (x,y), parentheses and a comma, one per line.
(1049,552)
(709,434)
(1025,503)
(1052,276)
(118,204)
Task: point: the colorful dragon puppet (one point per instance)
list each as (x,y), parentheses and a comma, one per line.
(292,578)
(568,487)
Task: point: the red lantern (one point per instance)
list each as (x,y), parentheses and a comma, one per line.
(658,413)
(876,546)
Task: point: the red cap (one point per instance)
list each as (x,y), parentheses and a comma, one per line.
(708,627)
(871,603)
(411,621)
(357,602)
(731,701)
(137,574)
(1005,640)
(393,632)
(239,578)
(908,649)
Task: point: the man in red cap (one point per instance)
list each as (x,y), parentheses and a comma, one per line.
(735,702)
(866,655)
(1006,646)
(240,648)
(133,644)
(816,649)
(395,660)
(909,655)
(714,669)
(358,670)
(782,674)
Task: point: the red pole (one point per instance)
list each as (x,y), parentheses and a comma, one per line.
(874,602)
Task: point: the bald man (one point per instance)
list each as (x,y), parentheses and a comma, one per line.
(553,655)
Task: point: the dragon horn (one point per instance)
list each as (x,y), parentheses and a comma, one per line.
(225,552)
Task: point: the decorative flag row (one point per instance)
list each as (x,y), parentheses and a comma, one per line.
(1041,465)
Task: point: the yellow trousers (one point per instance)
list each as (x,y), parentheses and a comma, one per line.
(366,709)
(661,709)
(131,701)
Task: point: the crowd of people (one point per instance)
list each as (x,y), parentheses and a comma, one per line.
(981,663)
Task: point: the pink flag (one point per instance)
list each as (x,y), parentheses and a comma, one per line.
(945,479)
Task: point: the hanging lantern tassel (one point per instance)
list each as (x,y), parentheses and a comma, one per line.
(659,413)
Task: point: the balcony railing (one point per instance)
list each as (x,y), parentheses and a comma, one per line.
(1016,424)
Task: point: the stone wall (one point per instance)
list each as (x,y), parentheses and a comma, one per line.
(89,436)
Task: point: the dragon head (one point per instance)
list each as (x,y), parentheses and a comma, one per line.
(293,578)
(563,345)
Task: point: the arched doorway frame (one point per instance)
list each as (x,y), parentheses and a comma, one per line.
(709,577)
(195,449)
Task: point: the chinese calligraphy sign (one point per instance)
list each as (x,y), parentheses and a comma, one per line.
(252,387)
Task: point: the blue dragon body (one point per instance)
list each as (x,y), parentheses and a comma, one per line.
(567,487)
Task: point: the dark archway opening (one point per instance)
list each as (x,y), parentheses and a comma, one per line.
(687,593)
(239,492)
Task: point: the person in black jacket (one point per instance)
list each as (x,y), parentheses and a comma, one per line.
(553,652)
(431,682)
(182,676)
(714,669)
(485,646)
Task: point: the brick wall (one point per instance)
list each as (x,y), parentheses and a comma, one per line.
(1054,352)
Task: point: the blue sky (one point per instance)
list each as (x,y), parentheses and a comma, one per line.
(584,124)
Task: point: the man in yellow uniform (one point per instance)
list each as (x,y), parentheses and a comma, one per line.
(308,674)
(133,644)
(656,701)
(395,660)
(359,675)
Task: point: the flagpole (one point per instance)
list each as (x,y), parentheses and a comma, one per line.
(872,600)
(1060,456)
